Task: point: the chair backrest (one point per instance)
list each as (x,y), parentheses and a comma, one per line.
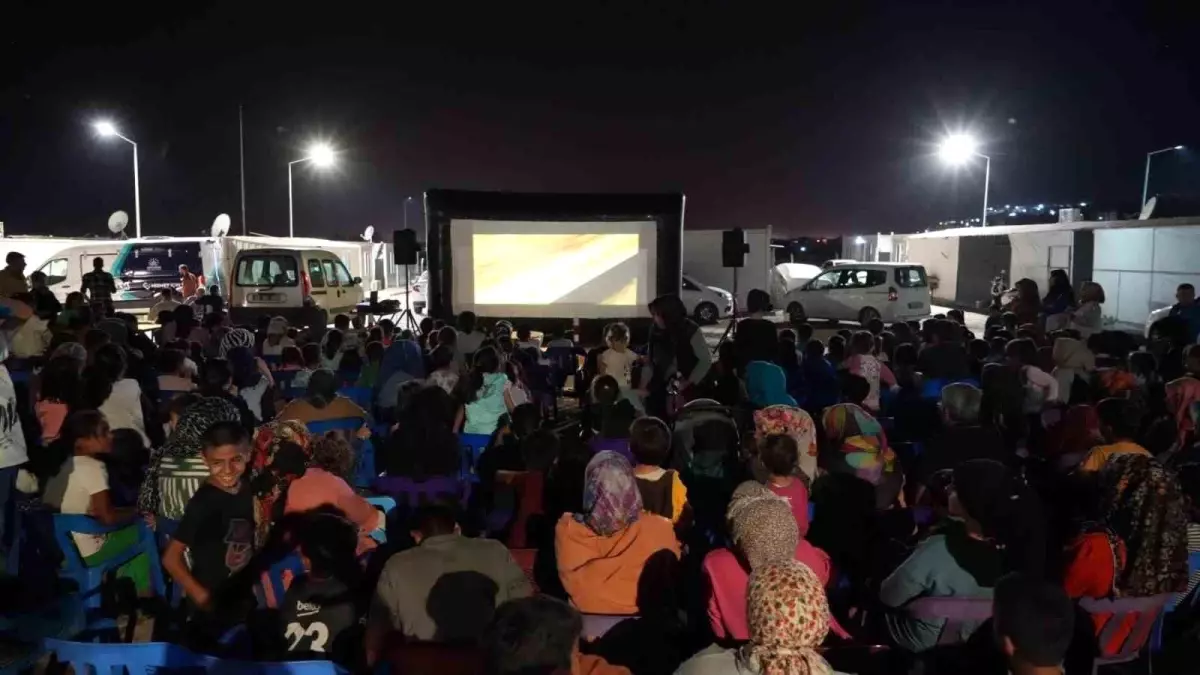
(529,487)
(958,613)
(472,446)
(387,505)
(1115,643)
(360,395)
(526,559)
(321,427)
(413,493)
(90,577)
(270,589)
(617,445)
(595,626)
(283,380)
(90,658)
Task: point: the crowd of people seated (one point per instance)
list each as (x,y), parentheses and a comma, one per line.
(786,507)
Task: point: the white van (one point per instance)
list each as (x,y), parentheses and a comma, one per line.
(862,292)
(275,281)
(705,304)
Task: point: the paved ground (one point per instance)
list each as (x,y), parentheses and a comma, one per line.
(824,329)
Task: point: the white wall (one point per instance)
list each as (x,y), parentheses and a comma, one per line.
(1034,254)
(940,258)
(1140,268)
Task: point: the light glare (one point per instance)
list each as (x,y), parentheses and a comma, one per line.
(321,154)
(1179,147)
(105,128)
(958,148)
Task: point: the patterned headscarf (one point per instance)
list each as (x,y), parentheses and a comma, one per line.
(749,492)
(1182,395)
(788,617)
(184,441)
(794,422)
(268,483)
(238,337)
(858,435)
(611,500)
(766,532)
(1144,506)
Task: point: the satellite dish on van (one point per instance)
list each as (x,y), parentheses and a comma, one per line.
(368,233)
(220,226)
(117,221)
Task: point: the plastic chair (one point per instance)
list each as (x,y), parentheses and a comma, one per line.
(270,589)
(348,377)
(115,659)
(596,625)
(164,531)
(89,579)
(617,445)
(472,446)
(347,424)
(1116,649)
(528,486)
(387,505)
(272,360)
(413,494)
(283,380)
(956,612)
(360,395)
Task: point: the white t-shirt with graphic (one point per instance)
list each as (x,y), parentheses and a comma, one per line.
(71,490)
(12,438)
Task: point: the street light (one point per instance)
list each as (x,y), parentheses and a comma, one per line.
(107,129)
(322,156)
(1146,180)
(958,149)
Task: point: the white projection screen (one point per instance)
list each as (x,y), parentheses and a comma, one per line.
(548,269)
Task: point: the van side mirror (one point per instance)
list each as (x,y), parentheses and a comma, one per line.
(357,280)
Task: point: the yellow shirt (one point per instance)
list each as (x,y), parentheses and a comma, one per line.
(1099,456)
(678,489)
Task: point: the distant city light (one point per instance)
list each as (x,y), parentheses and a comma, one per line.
(1040,207)
(1083,203)
(860,241)
(958,148)
(1052,212)
(1179,147)
(803,249)
(1012,213)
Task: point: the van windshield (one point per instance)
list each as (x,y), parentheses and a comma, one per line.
(267,270)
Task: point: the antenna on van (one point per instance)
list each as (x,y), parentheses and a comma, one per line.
(220,226)
(368,233)
(117,222)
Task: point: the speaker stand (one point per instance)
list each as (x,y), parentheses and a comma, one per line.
(731,329)
(406,320)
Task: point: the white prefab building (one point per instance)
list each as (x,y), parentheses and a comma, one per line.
(1138,262)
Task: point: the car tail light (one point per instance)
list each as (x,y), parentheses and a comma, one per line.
(892,294)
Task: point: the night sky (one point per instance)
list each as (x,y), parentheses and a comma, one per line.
(820,119)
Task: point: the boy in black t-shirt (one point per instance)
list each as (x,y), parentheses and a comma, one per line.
(320,616)
(217,526)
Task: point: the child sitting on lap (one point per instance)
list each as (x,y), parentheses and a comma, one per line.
(662,491)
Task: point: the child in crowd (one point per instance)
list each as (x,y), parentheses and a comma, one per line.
(820,378)
(368,376)
(662,491)
(291,359)
(780,455)
(174,376)
(217,529)
(277,339)
(611,414)
(518,393)
(387,329)
(1040,386)
(865,364)
(320,616)
(804,333)
(81,487)
(443,372)
(312,362)
(177,406)
(490,394)
(837,351)
(331,350)
(525,339)
(618,360)
(61,386)
(349,338)
(351,364)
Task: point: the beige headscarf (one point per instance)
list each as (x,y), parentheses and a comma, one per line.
(766,532)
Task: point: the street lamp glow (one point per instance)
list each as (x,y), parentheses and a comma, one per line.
(958,148)
(321,155)
(1179,147)
(105,128)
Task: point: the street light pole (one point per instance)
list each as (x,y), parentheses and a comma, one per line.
(320,155)
(106,128)
(1146,179)
(987,180)
(956,150)
(291,224)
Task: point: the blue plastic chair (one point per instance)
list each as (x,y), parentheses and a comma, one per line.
(89,579)
(164,531)
(269,591)
(387,505)
(350,425)
(1156,639)
(360,395)
(412,493)
(472,447)
(283,380)
(145,657)
(272,361)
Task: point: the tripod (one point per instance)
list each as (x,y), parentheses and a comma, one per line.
(406,320)
(731,329)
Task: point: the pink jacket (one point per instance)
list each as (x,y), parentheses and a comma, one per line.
(319,488)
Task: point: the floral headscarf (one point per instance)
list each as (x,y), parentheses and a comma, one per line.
(184,441)
(611,500)
(859,436)
(1144,506)
(788,616)
(765,530)
(749,492)
(1182,395)
(270,485)
(794,422)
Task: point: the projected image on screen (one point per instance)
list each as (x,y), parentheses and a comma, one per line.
(549,269)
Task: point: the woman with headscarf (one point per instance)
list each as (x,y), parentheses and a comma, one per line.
(321,401)
(794,422)
(763,532)
(788,617)
(1135,543)
(602,550)
(176,469)
(677,349)
(962,559)
(276,339)
(859,446)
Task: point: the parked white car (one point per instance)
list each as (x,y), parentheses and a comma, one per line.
(862,292)
(705,304)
